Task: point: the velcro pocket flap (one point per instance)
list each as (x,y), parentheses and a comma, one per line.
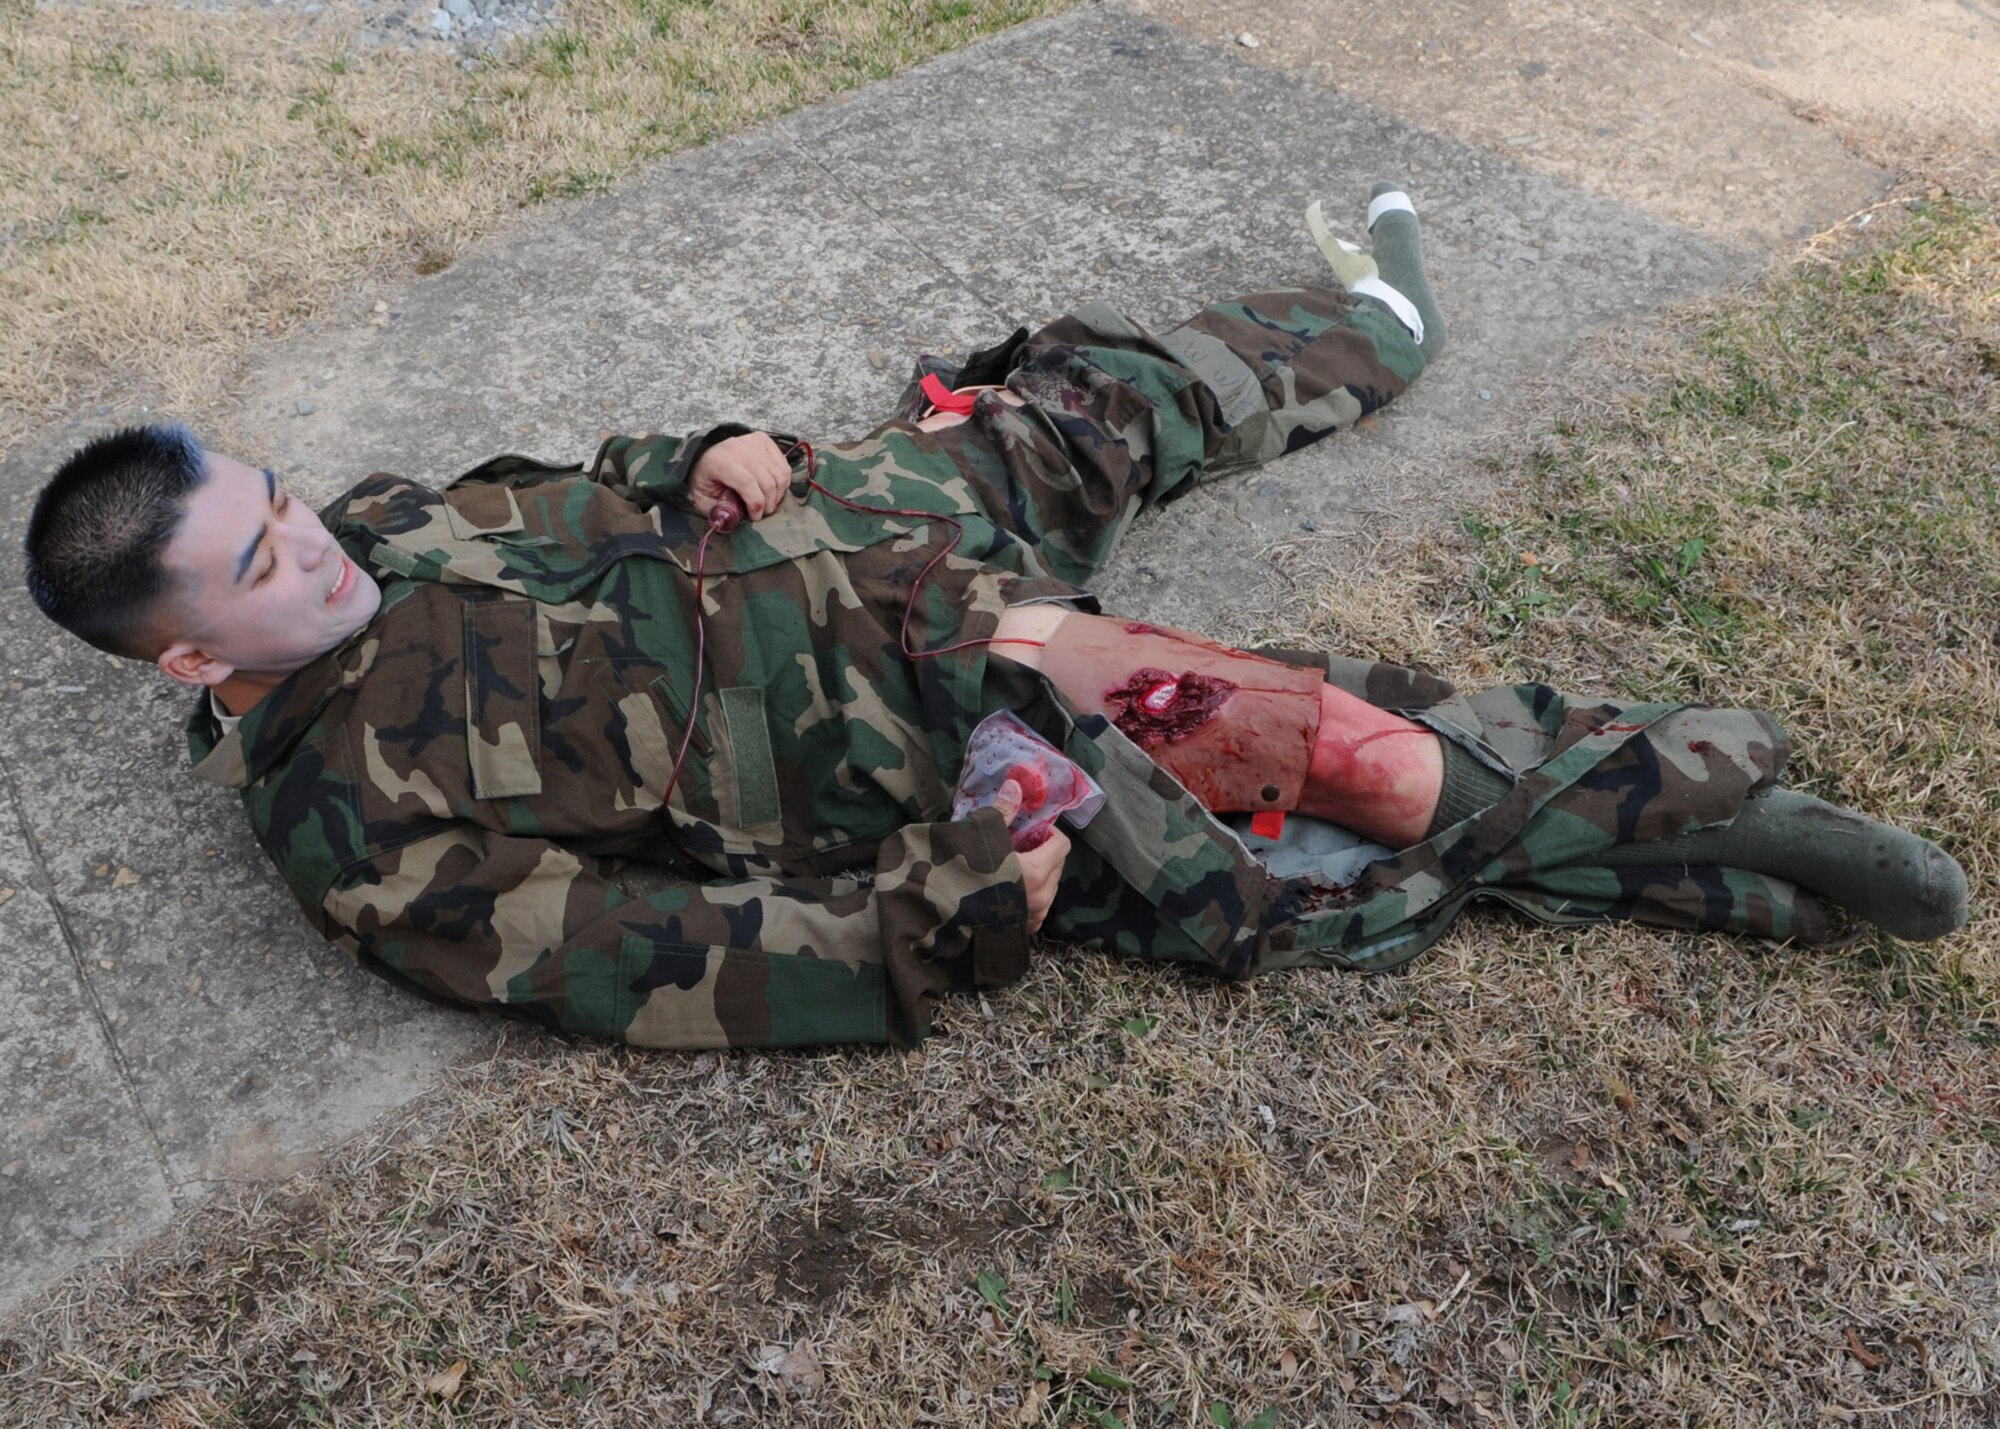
(503,726)
(750,752)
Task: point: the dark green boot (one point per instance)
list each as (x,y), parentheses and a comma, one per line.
(1901,883)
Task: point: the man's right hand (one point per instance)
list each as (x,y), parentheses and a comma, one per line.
(751,465)
(1042,865)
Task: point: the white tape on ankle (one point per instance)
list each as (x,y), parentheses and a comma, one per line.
(1395,201)
(1402,307)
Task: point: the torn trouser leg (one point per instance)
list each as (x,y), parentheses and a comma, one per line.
(1587,776)
(1291,366)
(1235,729)
(1156,876)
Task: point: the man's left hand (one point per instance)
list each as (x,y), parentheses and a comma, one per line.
(752,465)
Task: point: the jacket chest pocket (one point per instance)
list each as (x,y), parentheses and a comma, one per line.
(451,739)
(728,777)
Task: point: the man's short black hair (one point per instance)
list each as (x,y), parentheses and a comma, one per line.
(100,528)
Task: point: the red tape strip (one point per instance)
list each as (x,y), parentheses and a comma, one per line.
(944,399)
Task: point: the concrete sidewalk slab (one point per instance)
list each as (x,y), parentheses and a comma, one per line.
(1704,114)
(78,1165)
(784,277)
(178,1025)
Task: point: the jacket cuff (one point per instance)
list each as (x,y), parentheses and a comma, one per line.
(679,474)
(680,471)
(999,948)
(954,915)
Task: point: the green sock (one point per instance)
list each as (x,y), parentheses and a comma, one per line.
(1901,883)
(1468,787)
(1399,253)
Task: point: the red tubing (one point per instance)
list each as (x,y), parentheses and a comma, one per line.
(724,517)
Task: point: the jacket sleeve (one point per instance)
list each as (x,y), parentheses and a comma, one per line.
(649,469)
(524,926)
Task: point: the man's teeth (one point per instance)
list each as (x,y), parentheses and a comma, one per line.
(340,582)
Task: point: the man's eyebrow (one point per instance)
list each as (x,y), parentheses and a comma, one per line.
(250,551)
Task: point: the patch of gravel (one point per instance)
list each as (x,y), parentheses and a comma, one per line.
(469,26)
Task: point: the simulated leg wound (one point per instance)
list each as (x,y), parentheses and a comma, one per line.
(1235,729)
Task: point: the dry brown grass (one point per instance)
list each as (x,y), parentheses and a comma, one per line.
(175,183)
(1549,1177)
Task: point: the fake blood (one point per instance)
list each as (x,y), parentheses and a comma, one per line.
(1033,783)
(1154,707)
(1310,896)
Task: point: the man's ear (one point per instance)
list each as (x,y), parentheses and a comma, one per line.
(190,665)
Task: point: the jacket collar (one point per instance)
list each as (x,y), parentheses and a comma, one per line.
(268,733)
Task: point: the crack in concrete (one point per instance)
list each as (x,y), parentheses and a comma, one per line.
(48,890)
(958,280)
(1980,11)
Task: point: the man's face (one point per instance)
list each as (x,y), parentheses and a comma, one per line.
(262,588)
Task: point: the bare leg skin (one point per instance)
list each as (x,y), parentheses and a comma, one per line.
(1225,722)
(1373,771)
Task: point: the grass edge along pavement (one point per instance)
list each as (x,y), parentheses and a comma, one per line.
(1805,516)
(178,183)
(1598,1176)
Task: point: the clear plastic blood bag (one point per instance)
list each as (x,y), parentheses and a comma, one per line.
(1003,750)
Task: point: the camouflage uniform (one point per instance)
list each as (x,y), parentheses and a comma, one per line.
(449,791)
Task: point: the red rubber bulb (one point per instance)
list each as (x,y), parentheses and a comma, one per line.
(727,513)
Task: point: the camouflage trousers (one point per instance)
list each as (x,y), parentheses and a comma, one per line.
(1154,875)
(1116,421)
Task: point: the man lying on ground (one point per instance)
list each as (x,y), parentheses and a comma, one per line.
(452,714)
